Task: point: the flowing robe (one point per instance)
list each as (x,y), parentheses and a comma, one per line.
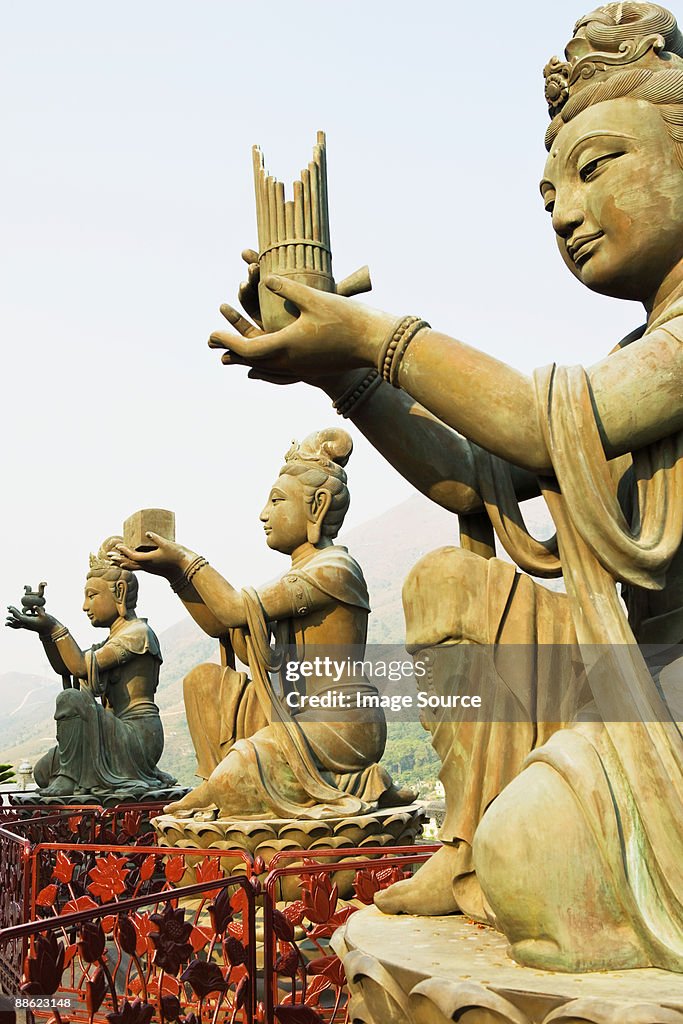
(102,751)
(619,769)
(259,757)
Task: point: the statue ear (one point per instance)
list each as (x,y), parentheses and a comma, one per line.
(322,499)
(120,592)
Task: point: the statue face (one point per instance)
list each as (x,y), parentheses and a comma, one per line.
(99,604)
(615,192)
(285,516)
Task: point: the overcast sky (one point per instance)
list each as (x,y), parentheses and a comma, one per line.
(127,197)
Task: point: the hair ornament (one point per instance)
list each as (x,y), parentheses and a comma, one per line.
(614,38)
(102,559)
(325,449)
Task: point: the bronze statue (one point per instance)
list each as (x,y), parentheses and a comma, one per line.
(605,448)
(111,746)
(259,758)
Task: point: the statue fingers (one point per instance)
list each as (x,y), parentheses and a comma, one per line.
(251,350)
(273,378)
(248,295)
(126,558)
(250,256)
(231,359)
(239,322)
(15,619)
(300,294)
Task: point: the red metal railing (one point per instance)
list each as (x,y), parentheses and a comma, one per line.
(326,898)
(133,972)
(64,888)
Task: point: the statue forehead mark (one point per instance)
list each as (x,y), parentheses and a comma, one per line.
(596,133)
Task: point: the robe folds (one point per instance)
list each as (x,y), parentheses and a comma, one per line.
(615,763)
(101,751)
(261,757)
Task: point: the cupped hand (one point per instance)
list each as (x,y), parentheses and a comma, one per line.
(165,559)
(40,622)
(331,335)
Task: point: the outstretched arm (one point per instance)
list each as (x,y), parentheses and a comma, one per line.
(213,602)
(433,457)
(636,392)
(63,653)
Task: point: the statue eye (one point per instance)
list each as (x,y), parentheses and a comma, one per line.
(589,169)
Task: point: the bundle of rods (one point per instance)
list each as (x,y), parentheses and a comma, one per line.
(294,235)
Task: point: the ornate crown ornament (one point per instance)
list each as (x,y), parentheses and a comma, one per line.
(102,560)
(611,39)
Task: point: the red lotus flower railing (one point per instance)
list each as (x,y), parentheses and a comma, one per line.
(182,956)
(129,932)
(297,931)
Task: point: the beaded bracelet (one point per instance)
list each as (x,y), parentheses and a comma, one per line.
(357,393)
(395,347)
(185,578)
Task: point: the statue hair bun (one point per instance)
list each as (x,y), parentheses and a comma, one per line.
(329,447)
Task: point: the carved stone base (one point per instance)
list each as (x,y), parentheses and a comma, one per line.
(392,826)
(421,970)
(113,799)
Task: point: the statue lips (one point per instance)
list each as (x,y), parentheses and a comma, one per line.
(579,249)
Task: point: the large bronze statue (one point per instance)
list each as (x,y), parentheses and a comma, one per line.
(605,448)
(109,733)
(258,755)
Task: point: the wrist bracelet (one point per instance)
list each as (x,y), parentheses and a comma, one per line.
(395,346)
(185,578)
(57,634)
(357,393)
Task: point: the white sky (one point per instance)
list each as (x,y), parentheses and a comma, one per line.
(126,196)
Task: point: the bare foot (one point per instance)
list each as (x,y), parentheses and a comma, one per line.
(198,799)
(430,891)
(61,785)
(397,797)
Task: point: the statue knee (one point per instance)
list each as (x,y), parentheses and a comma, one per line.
(444,598)
(199,678)
(73,704)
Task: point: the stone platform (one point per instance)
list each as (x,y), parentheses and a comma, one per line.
(113,799)
(420,970)
(264,837)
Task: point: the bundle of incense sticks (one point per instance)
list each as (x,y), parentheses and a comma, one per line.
(294,235)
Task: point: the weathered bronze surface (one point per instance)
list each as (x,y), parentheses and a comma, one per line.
(109,733)
(604,445)
(259,759)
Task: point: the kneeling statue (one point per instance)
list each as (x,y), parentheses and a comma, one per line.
(109,746)
(259,756)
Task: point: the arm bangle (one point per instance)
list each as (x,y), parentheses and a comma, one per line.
(357,394)
(395,346)
(57,634)
(184,580)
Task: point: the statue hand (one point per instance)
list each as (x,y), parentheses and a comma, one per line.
(332,334)
(40,622)
(165,559)
(249,300)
